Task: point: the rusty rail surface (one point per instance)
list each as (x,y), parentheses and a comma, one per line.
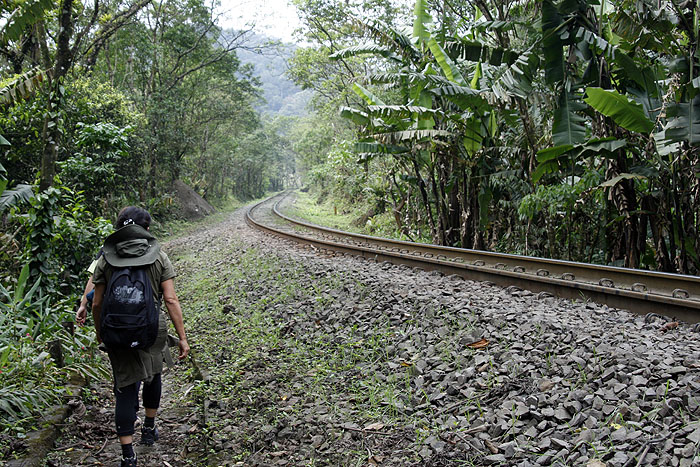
(639,291)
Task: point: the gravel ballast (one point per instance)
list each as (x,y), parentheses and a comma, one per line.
(306,359)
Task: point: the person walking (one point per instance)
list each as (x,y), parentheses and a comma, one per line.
(132,246)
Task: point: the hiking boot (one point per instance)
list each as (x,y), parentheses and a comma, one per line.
(129,461)
(149,435)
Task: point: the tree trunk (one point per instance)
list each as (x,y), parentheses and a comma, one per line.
(52,129)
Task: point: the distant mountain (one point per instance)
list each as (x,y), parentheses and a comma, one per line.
(282,96)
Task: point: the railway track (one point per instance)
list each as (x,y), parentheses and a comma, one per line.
(636,290)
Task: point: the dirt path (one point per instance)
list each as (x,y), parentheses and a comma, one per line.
(328,360)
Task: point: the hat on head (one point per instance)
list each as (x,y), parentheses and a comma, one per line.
(132,245)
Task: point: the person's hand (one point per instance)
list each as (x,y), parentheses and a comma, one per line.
(81,314)
(184,349)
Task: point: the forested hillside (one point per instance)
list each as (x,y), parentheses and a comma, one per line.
(269,61)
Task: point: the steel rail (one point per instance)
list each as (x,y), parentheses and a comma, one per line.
(636,290)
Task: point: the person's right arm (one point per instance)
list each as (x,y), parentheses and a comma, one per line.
(175,311)
(97,309)
(81,314)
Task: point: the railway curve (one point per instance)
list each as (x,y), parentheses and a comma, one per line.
(636,290)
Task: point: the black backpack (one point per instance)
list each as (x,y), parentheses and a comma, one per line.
(129,313)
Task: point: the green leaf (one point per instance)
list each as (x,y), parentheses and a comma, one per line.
(544,155)
(446,64)
(626,113)
(4,142)
(543,169)
(421,21)
(21,283)
(596,146)
(463,96)
(400,111)
(553,47)
(356,116)
(477,76)
(517,80)
(683,122)
(20,194)
(567,127)
(370,98)
(365,49)
(472,136)
(615,180)
(405,135)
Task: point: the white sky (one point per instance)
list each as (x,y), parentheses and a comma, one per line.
(273,18)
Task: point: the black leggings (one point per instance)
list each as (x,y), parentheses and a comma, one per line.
(128,403)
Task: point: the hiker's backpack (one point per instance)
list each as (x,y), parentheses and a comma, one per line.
(129,312)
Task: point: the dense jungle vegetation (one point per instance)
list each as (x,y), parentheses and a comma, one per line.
(565,129)
(103,105)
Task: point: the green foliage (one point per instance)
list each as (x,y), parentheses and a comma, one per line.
(30,380)
(625,112)
(101,167)
(62,237)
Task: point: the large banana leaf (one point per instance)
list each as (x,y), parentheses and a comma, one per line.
(421,21)
(462,96)
(366,49)
(408,135)
(409,77)
(626,113)
(401,111)
(446,64)
(517,79)
(20,194)
(390,38)
(473,51)
(549,160)
(473,137)
(356,116)
(601,146)
(643,77)
(568,125)
(23,86)
(683,122)
(553,46)
(365,94)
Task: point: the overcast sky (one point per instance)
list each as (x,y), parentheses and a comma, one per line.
(273,18)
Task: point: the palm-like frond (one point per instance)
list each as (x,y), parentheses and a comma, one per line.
(366,49)
(401,111)
(398,137)
(517,79)
(462,96)
(568,126)
(20,194)
(389,38)
(23,86)
(473,51)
